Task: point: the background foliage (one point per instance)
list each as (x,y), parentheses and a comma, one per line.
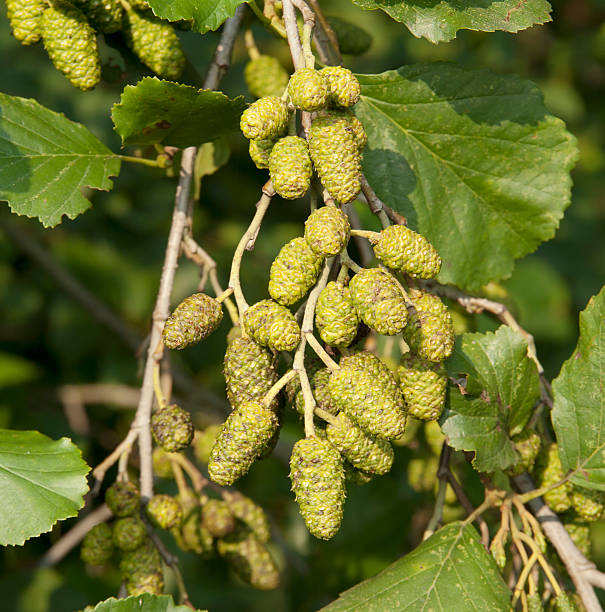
(116,249)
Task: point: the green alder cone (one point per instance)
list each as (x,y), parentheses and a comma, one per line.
(430,331)
(527,444)
(164,511)
(272,325)
(162,466)
(25,18)
(249,371)
(290,167)
(317,476)
(379,301)
(249,558)
(308,89)
(564,603)
(549,471)
(366,391)
(203,441)
(355,476)
(143,582)
(250,513)
(293,272)
(267,449)
(155,43)
(71,44)
(327,231)
(354,124)
(123,498)
(423,385)
(534,603)
(145,558)
(194,319)
(579,532)
(362,450)
(129,533)
(319,386)
(265,76)
(192,535)
(335,153)
(265,118)
(243,437)
(588,504)
(336,319)
(344,88)
(402,249)
(172,428)
(104,15)
(217,517)
(97,545)
(352,39)
(260,151)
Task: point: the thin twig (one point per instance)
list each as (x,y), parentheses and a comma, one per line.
(325,40)
(374,202)
(320,351)
(296,50)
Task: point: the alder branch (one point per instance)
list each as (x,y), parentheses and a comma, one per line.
(325,40)
(581,570)
(74,536)
(296,50)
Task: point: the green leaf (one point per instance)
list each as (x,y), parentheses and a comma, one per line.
(474,160)
(451,570)
(206,14)
(42,481)
(46,160)
(440,20)
(154,111)
(578,415)
(210,157)
(501,389)
(141,603)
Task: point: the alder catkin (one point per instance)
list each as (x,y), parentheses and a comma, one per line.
(290,167)
(194,319)
(588,503)
(217,517)
(97,545)
(104,15)
(423,385)
(336,319)
(260,152)
(527,444)
(327,231)
(265,76)
(123,498)
(308,89)
(250,513)
(549,471)
(172,428)
(344,89)
(265,118)
(25,18)
(164,511)
(272,325)
(129,533)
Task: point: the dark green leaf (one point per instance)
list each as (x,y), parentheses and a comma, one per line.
(449,571)
(42,481)
(154,111)
(46,160)
(206,14)
(474,160)
(501,389)
(141,603)
(441,20)
(579,400)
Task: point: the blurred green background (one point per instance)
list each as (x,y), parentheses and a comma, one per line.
(116,249)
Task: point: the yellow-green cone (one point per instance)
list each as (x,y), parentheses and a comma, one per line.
(317,476)
(335,316)
(104,15)
(97,545)
(25,18)
(192,535)
(527,444)
(250,513)
(249,558)
(327,230)
(249,371)
(217,517)
(335,153)
(172,428)
(265,76)
(564,603)
(362,450)
(129,533)
(402,249)
(194,319)
(164,511)
(123,498)
(588,504)
(580,534)
(244,435)
(203,441)
(344,88)
(319,386)
(265,118)
(379,301)
(272,325)
(361,138)
(423,385)
(142,570)
(351,38)
(548,471)
(293,272)
(366,391)
(155,43)
(290,167)
(430,331)
(534,602)
(260,151)
(71,44)
(308,89)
